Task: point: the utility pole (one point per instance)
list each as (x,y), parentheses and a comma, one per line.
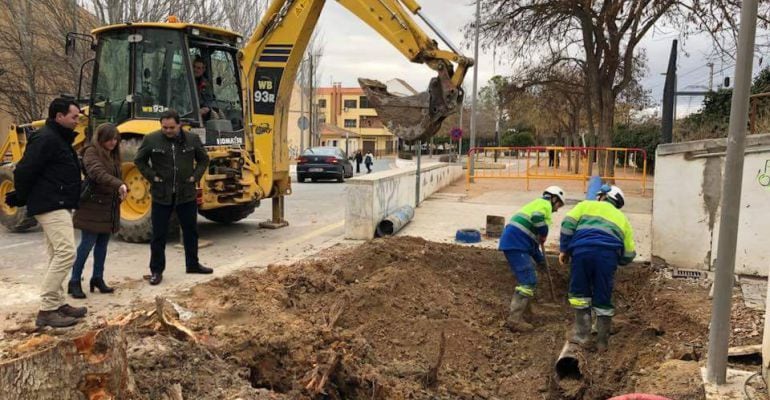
(311,113)
(475,87)
(711,76)
(460,141)
(669,98)
(719,333)
(301,105)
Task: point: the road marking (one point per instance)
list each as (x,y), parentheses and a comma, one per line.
(258,257)
(319,231)
(10,246)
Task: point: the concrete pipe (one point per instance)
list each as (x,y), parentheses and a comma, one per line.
(568,364)
(395,221)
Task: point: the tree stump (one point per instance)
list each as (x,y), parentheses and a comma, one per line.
(93,366)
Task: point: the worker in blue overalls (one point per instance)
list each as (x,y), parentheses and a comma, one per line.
(597,237)
(521,241)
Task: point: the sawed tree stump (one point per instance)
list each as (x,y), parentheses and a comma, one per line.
(93,366)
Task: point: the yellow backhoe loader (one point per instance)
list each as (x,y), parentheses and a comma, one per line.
(141,69)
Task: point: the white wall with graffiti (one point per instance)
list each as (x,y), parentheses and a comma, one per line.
(372,197)
(687,205)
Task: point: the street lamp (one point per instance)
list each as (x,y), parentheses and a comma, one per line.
(475,88)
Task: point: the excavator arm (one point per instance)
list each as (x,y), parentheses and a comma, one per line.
(272,55)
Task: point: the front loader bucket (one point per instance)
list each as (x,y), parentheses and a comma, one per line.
(415,117)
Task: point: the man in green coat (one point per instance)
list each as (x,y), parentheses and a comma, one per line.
(173,161)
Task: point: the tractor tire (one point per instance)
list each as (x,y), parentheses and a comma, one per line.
(229,214)
(135,216)
(14,219)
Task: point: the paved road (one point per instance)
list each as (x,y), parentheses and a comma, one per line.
(315,212)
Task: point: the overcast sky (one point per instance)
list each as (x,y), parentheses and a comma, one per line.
(354,50)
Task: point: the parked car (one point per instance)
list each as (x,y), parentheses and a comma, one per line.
(323,163)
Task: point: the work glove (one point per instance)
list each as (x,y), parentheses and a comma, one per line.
(564,258)
(11,199)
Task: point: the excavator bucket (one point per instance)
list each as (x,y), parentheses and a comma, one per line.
(415,117)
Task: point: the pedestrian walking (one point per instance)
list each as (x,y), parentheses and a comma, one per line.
(520,242)
(359,160)
(596,236)
(173,161)
(368,161)
(98,216)
(47,182)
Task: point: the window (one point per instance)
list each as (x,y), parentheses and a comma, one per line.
(349,104)
(227,92)
(111,88)
(364,102)
(162,76)
(334,143)
(368,121)
(321,103)
(350,123)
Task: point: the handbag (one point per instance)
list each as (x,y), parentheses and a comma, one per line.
(86,189)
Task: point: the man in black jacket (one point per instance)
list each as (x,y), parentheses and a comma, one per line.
(47,181)
(173,161)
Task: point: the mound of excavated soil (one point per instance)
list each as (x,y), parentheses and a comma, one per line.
(368,322)
(403,318)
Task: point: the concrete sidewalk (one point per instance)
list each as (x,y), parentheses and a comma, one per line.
(441,215)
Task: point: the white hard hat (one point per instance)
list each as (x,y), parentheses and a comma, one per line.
(617,196)
(555,191)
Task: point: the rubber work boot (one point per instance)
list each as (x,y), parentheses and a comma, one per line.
(54,319)
(603,327)
(581,333)
(515,320)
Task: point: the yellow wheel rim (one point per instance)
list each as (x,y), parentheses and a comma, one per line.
(137,204)
(6,187)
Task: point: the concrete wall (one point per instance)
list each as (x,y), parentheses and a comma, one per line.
(371,197)
(686,205)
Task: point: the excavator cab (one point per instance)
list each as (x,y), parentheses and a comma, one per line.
(140,71)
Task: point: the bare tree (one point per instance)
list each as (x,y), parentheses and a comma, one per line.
(34,66)
(242,16)
(120,11)
(602,35)
(309,78)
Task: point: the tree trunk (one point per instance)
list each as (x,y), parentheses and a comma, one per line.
(92,366)
(606,130)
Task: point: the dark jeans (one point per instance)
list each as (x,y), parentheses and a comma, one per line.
(368,168)
(358,167)
(90,240)
(187,215)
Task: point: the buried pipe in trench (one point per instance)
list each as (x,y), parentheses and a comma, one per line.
(568,366)
(395,221)
(568,363)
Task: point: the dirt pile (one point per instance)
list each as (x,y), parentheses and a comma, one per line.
(404,318)
(368,323)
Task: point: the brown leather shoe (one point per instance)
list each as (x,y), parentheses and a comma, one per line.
(54,319)
(156,279)
(75,312)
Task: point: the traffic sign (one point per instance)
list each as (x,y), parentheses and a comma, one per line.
(302,122)
(456,133)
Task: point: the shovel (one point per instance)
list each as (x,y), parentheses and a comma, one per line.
(548,272)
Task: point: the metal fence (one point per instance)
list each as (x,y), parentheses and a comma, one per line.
(558,163)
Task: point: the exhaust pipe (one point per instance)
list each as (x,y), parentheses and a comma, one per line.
(568,363)
(395,221)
